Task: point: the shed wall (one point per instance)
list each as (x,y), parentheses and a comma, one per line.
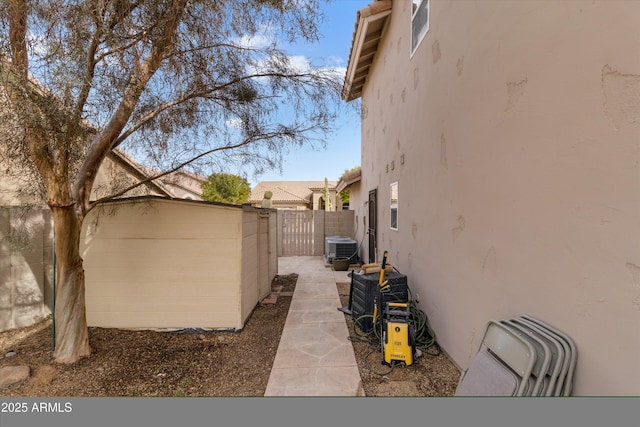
(163,264)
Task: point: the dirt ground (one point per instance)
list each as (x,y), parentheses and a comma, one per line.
(198,362)
(431,374)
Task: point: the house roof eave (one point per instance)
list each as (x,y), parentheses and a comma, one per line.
(369,28)
(138,170)
(349,179)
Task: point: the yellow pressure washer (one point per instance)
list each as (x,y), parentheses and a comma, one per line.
(397,339)
(398,336)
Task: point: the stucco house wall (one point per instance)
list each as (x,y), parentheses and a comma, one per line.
(512,133)
(164,263)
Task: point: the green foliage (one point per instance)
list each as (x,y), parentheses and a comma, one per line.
(348,171)
(345,195)
(173,83)
(226,188)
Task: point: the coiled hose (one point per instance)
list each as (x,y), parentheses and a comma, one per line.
(425,337)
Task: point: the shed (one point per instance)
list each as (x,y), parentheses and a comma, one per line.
(160,263)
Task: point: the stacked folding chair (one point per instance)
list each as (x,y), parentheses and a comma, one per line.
(521,357)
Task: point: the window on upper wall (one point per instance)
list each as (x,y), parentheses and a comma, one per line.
(419,22)
(394,206)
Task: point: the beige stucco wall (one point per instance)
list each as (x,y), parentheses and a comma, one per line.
(266,252)
(26,266)
(113,176)
(273,245)
(333,199)
(110,177)
(250,265)
(167,264)
(332,223)
(514,135)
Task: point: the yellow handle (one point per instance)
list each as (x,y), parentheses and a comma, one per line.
(384,265)
(397,304)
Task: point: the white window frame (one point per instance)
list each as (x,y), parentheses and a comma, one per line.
(393,205)
(418,7)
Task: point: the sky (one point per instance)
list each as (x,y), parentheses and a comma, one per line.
(342,151)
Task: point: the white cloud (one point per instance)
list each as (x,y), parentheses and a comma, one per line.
(37,44)
(334,61)
(234,123)
(263,38)
(254,42)
(301,64)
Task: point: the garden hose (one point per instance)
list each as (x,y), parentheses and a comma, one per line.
(425,337)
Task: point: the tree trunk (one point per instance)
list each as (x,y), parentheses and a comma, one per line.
(70,321)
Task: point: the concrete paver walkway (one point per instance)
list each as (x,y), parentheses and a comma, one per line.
(315,356)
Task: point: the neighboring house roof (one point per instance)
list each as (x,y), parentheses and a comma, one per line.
(189,184)
(177,185)
(106,179)
(134,168)
(117,171)
(289,191)
(348,178)
(369,28)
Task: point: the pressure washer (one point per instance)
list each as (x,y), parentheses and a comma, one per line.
(397,334)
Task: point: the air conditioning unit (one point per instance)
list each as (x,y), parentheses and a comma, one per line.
(340,247)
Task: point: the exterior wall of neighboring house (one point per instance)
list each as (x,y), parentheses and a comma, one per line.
(146,267)
(318,199)
(357,204)
(184,185)
(512,135)
(9,191)
(118,171)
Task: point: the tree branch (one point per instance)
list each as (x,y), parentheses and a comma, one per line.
(18,10)
(243,143)
(103,143)
(203,94)
(89,73)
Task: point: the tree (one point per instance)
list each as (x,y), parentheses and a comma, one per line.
(176,82)
(226,188)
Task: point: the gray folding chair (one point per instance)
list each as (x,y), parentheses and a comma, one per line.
(543,356)
(563,388)
(501,367)
(559,363)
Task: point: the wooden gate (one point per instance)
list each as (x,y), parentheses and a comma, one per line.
(297,233)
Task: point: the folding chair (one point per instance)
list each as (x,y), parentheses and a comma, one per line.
(501,367)
(560,357)
(564,388)
(543,356)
